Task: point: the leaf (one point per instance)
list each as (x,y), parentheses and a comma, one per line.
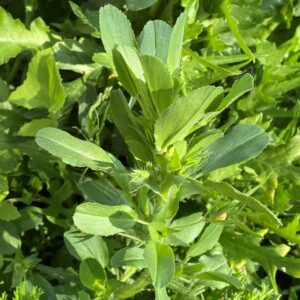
(229,191)
(160,260)
(233,25)
(82,246)
(9,238)
(75,56)
(154,39)
(118,32)
(191,108)
(92,274)
(133,257)
(207,241)
(241,247)
(175,45)
(14,37)
(136,5)
(242,142)
(159,81)
(42,86)
(239,88)
(131,74)
(4,91)
(8,211)
(101,191)
(129,128)
(75,152)
(218,276)
(185,230)
(3,187)
(99,219)
(31,128)
(88,17)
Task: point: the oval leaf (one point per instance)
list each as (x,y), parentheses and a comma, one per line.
(160,260)
(242,142)
(99,219)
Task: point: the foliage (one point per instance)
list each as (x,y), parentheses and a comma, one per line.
(149,149)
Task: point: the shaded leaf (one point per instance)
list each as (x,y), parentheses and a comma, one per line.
(99,219)
(42,86)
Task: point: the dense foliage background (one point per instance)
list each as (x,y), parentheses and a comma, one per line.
(238,240)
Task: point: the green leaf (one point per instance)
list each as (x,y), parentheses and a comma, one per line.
(128,126)
(154,39)
(9,160)
(118,32)
(185,230)
(159,81)
(75,152)
(3,187)
(233,25)
(15,37)
(207,241)
(131,74)
(88,17)
(191,108)
(160,260)
(239,88)
(229,191)
(242,247)
(101,191)
(99,219)
(133,256)
(176,41)
(82,246)
(242,142)
(31,128)
(92,274)
(137,5)
(8,212)
(218,276)
(4,91)
(42,86)
(9,238)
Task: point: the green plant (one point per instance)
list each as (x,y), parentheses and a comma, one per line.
(187,171)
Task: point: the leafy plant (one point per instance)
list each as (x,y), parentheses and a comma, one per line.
(165,156)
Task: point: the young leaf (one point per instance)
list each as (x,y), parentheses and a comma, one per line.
(207,241)
(14,37)
(101,191)
(75,152)
(131,74)
(8,211)
(159,258)
(82,246)
(92,274)
(229,191)
(154,39)
(42,86)
(128,257)
(129,128)
(31,128)
(99,219)
(170,128)
(88,17)
(185,230)
(242,142)
(218,276)
(176,41)
(239,88)
(159,81)
(3,187)
(118,32)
